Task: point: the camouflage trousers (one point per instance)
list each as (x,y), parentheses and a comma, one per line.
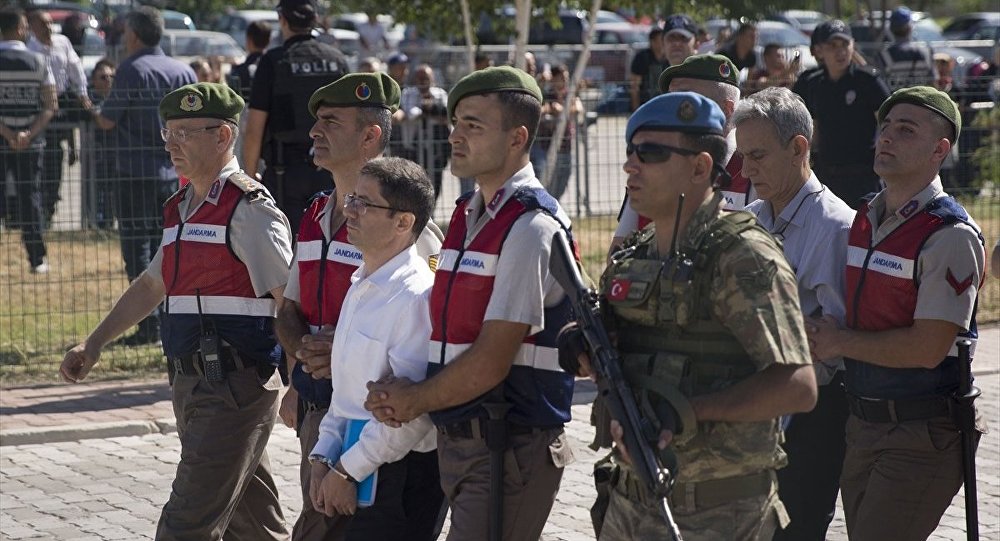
(632,515)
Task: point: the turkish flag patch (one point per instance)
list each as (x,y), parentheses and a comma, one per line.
(959,287)
(619,289)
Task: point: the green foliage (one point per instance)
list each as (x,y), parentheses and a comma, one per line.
(987,156)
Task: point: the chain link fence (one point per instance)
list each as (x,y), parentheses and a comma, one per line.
(96,203)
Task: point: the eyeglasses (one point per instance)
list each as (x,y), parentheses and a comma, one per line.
(180,135)
(356,204)
(654,153)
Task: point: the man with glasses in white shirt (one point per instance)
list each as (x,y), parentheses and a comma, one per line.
(774,130)
(391,204)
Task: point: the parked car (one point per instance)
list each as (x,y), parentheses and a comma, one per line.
(802,20)
(186,45)
(175,20)
(60,11)
(981,25)
(235,23)
(350,21)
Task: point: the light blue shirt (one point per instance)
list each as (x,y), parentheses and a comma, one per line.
(813,229)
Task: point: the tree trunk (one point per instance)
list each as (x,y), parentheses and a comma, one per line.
(470,47)
(522,20)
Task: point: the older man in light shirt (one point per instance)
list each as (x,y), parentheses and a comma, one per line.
(773,131)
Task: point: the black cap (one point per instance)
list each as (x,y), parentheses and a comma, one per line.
(682,24)
(831,30)
(298,12)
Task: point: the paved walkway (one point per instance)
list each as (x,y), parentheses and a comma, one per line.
(95,462)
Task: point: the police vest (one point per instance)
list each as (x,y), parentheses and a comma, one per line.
(735,195)
(306,65)
(325,270)
(21,92)
(207,286)
(881,294)
(539,391)
(907,64)
(669,341)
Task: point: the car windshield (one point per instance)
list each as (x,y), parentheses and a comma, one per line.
(207,46)
(783,36)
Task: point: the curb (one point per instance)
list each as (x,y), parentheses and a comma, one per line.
(86,431)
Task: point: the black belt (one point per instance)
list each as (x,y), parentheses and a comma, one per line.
(473,429)
(191,365)
(897,411)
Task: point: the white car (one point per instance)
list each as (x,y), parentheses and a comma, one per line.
(235,24)
(186,45)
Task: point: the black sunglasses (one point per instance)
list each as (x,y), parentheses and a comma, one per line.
(654,153)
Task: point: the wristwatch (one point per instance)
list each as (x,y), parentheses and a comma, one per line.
(320,459)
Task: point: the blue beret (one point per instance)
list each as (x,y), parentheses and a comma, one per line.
(677,111)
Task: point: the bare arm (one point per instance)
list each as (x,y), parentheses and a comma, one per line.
(770,393)
(253,140)
(922,345)
(135,304)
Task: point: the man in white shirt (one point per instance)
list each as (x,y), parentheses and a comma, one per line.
(71,89)
(423,117)
(773,134)
(383,332)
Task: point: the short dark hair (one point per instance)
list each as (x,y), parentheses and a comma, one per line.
(405,186)
(104,63)
(147,25)
(559,69)
(770,48)
(10,18)
(380,116)
(259,33)
(714,145)
(655,32)
(520,109)
(745,27)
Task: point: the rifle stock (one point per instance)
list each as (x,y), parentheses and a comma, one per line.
(638,434)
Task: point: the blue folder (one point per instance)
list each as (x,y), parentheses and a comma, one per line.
(366,488)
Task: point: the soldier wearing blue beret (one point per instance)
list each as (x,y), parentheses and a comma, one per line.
(707,316)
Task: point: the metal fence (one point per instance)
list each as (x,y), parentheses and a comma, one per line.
(42,315)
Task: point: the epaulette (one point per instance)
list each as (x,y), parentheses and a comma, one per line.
(253,190)
(175,195)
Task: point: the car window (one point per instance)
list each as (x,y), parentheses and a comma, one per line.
(986,32)
(783,36)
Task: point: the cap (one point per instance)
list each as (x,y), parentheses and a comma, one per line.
(202,100)
(900,17)
(681,24)
(685,112)
(832,29)
(928,98)
(490,80)
(356,90)
(398,58)
(707,67)
(298,12)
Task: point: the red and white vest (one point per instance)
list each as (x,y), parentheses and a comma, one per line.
(200,268)
(538,389)
(881,294)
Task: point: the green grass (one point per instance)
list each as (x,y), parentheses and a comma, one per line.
(42,316)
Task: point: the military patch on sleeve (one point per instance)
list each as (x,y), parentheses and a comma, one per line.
(756,281)
(958,286)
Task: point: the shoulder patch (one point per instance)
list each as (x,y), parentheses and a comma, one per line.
(254,190)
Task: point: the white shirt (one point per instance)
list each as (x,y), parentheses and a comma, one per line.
(813,228)
(384,328)
(64,64)
(411,103)
(17,45)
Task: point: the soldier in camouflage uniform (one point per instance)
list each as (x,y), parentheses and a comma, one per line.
(710,333)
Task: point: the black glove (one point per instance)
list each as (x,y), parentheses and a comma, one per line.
(571,344)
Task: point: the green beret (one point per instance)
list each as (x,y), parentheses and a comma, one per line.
(490,80)
(928,98)
(356,90)
(202,100)
(707,67)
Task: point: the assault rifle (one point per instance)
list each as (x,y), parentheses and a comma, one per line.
(964,415)
(639,434)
